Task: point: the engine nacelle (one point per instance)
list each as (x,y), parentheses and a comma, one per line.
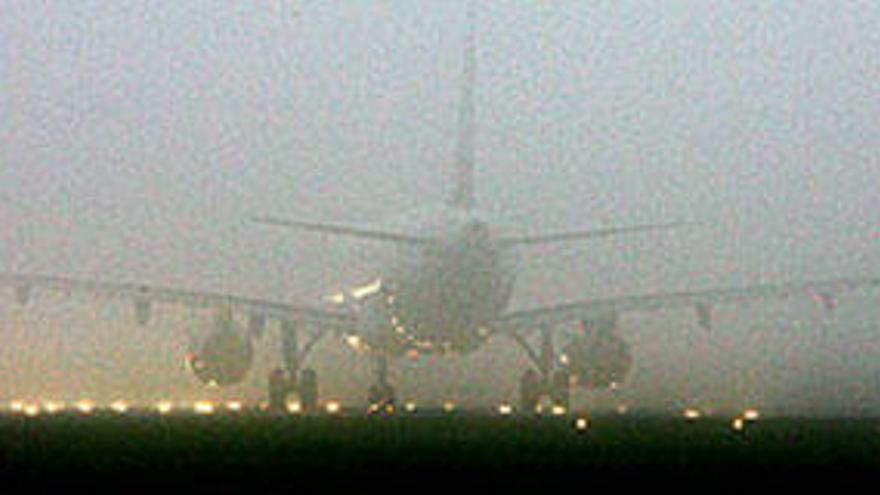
(597,357)
(224,357)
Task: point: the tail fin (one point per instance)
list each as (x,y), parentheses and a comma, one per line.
(461,193)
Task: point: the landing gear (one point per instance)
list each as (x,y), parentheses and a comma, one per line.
(279,388)
(380,396)
(291,381)
(533,388)
(529,391)
(560,390)
(548,382)
(308,390)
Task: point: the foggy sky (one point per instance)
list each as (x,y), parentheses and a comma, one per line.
(137,137)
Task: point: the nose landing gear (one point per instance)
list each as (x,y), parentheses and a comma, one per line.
(548,382)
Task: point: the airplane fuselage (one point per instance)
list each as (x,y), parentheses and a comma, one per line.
(440,297)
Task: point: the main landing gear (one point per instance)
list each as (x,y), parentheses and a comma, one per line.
(545,382)
(291,381)
(381,394)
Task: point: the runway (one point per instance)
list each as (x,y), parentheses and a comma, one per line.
(241,451)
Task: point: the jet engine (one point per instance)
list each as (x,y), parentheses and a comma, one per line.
(224,356)
(597,357)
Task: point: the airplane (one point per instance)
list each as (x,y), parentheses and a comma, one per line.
(447,291)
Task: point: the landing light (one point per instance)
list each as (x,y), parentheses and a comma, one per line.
(53,407)
(558,410)
(31,410)
(367,290)
(356,343)
(333,407)
(505,409)
(336,298)
(448,406)
(410,407)
(751,415)
(738,423)
(582,423)
(622,409)
(16,406)
(234,406)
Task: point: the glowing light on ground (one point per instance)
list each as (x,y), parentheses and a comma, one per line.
(738,424)
(410,407)
(119,406)
(164,407)
(692,413)
(85,406)
(16,406)
(582,423)
(53,407)
(751,414)
(448,406)
(31,410)
(203,407)
(234,406)
(505,409)
(294,407)
(558,410)
(622,409)
(333,407)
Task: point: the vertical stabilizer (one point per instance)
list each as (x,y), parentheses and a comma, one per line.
(461,194)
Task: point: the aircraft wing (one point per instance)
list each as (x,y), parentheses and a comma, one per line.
(823,291)
(144,296)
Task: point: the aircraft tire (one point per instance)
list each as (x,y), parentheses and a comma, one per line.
(529,391)
(308,390)
(278,388)
(380,396)
(560,389)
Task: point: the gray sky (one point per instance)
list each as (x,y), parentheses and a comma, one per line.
(136,137)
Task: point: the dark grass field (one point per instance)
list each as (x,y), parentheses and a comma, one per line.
(229,453)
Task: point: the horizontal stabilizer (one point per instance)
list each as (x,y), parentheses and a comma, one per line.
(583,235)
(344,230)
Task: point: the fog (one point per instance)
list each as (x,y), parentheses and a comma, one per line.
(138,137)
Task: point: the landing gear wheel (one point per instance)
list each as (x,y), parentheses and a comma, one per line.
(560,391)
(381,398)
(308,390)
(529,391)
(278,389)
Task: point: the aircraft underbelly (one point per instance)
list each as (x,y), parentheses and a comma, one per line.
(439,306)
